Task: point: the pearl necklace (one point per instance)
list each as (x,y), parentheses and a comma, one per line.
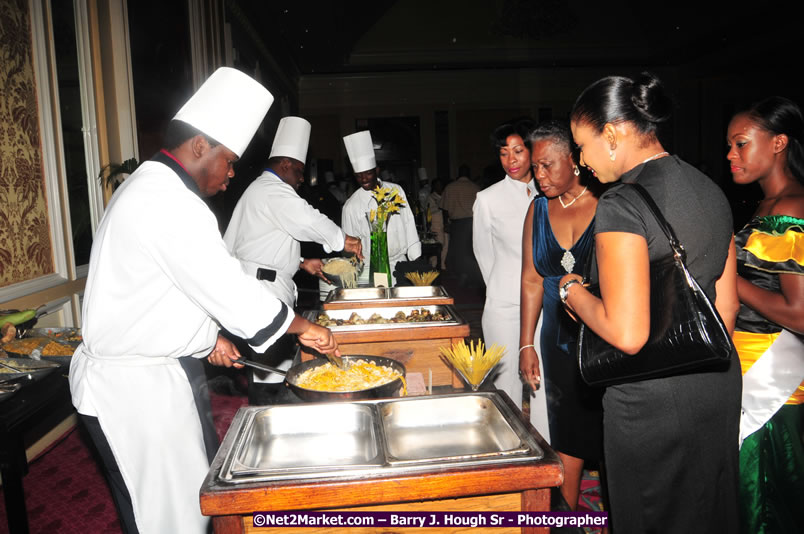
(656,156)
(570,203)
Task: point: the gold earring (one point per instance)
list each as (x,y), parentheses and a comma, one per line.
(577,171)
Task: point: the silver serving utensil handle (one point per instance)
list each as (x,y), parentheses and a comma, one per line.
(261,366)
(29,375)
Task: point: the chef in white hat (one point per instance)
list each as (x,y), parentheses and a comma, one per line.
(160,283)
(271,219)
(403,238)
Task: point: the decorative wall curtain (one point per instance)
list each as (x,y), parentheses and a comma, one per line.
(25,246)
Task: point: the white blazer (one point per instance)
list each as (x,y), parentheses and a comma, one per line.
(498,216)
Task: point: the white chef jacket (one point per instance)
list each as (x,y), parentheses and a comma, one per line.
(403,238)
(268,223)
(160,282)
(498,219)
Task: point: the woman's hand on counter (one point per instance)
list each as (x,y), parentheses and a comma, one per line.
(529,368)
(224,354)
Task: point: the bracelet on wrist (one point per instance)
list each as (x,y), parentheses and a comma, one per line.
(525,347)
(563,291)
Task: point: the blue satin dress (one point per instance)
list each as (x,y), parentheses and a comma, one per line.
(574,410)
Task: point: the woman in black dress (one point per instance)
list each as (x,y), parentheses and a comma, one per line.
(670,444)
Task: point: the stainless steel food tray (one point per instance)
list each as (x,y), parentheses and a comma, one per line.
(307,438)
(373,294)
(386,312)
(373,438)
(447,430)
(69,336)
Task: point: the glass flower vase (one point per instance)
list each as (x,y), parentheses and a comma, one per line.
(379,263)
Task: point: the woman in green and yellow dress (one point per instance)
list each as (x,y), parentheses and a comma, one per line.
(766,147)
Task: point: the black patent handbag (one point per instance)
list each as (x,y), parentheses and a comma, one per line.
(686,332)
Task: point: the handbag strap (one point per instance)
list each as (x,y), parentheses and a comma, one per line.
(675,244)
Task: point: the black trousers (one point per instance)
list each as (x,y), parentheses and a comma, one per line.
(194,369)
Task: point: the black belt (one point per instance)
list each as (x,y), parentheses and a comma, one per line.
(266,274)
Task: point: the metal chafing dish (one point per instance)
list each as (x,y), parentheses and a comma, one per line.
(373,438)
(372,294)
(387,312)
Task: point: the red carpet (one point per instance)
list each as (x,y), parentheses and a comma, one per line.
(65,491)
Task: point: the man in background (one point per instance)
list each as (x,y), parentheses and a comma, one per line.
(403,238)
(456,202)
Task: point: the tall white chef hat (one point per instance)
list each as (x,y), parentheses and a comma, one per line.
(228,107)
(422,174)
(361,151)
(292,139)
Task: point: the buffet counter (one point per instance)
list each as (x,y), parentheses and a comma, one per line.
(511,469)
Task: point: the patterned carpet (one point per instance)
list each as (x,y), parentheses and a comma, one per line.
(65,492)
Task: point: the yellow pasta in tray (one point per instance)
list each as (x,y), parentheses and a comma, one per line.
(358,376)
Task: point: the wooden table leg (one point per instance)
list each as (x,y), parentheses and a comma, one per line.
(537,500)
(228,524)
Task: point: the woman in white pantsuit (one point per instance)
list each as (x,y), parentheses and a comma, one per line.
(499,213)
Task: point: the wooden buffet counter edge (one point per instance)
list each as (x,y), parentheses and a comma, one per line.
(512,487)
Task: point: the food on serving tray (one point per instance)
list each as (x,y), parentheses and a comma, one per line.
(71,335)
(472,361)
(422,279)
(57,349)
(8,332)
(27,345)
(415,316)
(343,268)
(359,375)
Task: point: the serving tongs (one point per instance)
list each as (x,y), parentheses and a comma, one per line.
(27,375)
(340,363)
(260,366)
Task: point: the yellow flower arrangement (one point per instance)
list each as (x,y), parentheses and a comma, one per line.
(389,202)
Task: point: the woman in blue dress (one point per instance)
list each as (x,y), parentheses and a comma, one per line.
(557,236)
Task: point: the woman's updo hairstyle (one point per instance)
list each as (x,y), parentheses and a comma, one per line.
(520,127)
(642,102)
(778,115)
